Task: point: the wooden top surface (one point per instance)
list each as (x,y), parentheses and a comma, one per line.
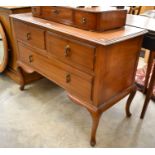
(95,9)
(103,38)
(13,7)
(141,22)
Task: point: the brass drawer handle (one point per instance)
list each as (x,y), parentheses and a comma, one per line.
(28,36)
(56,12)
(84,20)
(67,51)
(68,78)
(30,58)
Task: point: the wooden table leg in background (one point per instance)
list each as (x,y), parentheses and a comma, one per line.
(149,68)
(149,93)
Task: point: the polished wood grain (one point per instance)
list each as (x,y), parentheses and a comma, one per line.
(84,20)
(65,77)
(57,14)
(87,18)
(103,38)
(31,35)
(69,51)
(96,69)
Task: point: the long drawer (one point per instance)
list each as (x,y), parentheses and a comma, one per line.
(31,35)
(75,53)
(66,77)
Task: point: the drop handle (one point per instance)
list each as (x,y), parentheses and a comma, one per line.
(84,20)
(67,50)
(68,78)
(30,58)
(28,36)
(56,12)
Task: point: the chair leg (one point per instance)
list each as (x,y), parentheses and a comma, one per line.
(128,104)
(22,80)
(149,94)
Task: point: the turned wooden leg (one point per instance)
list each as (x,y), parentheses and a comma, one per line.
(149,94)
(22,80)
(149,68)
(95,121)
(132,95)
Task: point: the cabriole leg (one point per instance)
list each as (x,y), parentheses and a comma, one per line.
(128,104)
(95,121)
(22,80)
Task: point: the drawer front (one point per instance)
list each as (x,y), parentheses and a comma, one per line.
(75,53)
(58,14)
(30,34)
(36,11)
(65,77)
(85,20)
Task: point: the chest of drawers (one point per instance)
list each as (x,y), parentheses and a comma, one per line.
(96,69)
(95,18)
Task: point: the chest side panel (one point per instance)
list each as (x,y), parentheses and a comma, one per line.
(115,69)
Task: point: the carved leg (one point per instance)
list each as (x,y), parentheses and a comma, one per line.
(95,121)
(22,80)
(132,95)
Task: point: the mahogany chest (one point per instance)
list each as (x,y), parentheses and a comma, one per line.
(96,69)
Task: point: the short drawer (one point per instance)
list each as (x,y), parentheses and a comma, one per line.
(64,76)
(72,52)
(57,14)
(36,11)
(30,34)
(85,20)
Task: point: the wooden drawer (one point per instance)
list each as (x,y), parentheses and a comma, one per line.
(88,18)
(58,14)
(85,20)
(36,11)
(72,52)
(64,76)
(30,34)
